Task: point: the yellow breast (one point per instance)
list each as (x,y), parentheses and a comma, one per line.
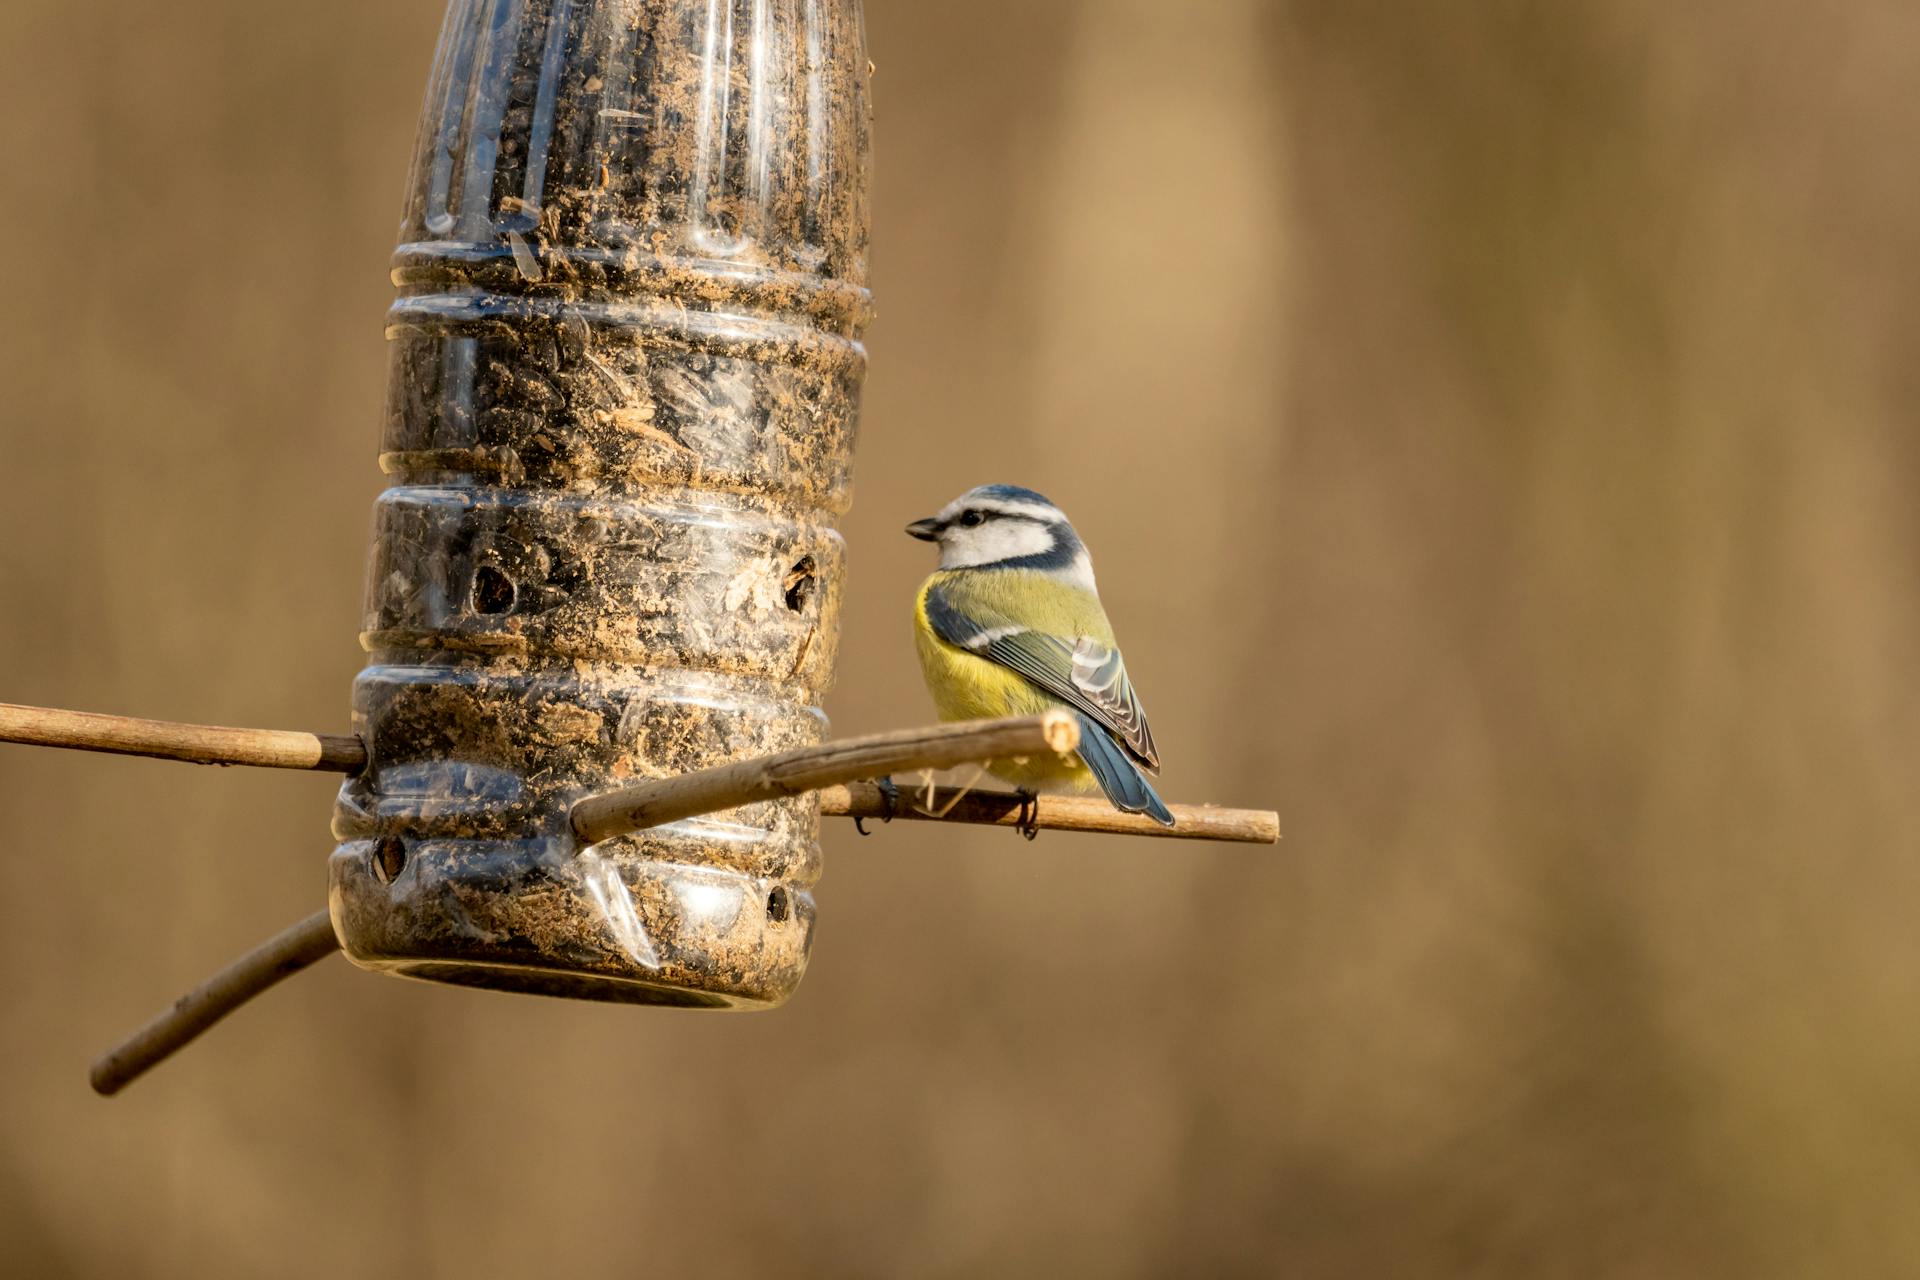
(966,687)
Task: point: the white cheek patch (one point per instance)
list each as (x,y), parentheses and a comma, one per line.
(992,542)
(1080,572)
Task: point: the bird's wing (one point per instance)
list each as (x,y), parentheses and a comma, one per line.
(1083,671)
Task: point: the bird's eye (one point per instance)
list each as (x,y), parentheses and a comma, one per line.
(972,518)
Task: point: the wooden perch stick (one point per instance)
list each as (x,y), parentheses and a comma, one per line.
(281,956)
(791,773)
(194,743)
(1056,813)
(838,770)
(846,762)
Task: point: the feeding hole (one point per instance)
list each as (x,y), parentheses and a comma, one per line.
(492,590)
(798,584)
(389,859)
(778,905)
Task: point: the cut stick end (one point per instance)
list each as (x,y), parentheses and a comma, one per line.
(108,1075)
(1061,729)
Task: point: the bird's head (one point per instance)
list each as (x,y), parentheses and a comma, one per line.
(1002,526)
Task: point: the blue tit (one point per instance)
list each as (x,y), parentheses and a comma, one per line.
(1011,625)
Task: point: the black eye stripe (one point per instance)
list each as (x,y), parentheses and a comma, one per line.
(972,517)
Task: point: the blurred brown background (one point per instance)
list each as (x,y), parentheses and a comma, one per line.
(1495,425)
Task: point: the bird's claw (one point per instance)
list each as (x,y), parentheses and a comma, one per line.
(1028,821)
(889,804)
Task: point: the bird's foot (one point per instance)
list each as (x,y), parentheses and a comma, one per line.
(889,804)
(1028,823)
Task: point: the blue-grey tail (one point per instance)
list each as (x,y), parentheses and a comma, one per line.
(1124,784)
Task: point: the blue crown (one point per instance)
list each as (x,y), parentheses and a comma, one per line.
(1012,493)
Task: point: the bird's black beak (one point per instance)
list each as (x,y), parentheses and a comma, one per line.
(927,530)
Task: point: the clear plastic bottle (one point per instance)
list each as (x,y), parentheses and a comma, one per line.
(625,376)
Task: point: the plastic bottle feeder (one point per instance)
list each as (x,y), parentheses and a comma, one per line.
(603,599)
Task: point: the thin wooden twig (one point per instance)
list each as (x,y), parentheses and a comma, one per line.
(194,743)
(1060,813)
(838,770)
(791,773)
(281,956)
(344,753)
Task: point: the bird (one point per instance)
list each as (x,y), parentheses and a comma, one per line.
(1011,624)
